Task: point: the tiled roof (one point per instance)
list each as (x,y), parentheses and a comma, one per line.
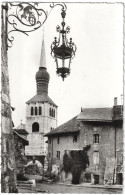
(68,127)
(21,129)
(23,137)
(95,114)
(41,98)
(21,126)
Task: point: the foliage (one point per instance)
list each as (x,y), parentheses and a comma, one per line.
(66,163)
(20,161)
(32,169)
(76,162)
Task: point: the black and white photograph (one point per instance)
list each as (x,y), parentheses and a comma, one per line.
(62,97)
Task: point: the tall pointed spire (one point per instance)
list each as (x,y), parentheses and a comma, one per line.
(43,54)
(42,76)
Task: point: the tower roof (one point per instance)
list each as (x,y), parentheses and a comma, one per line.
(41,99)
(43,55)
(42,73)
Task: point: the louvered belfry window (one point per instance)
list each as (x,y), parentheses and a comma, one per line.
(35,110)
(40,110)
(31,110)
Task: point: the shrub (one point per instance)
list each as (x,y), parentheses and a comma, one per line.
(76,162)
(67,163)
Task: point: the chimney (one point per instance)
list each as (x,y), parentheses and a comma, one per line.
(115,101)
(81,109)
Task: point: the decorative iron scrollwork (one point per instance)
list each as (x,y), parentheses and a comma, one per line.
(26,17)
(63,5)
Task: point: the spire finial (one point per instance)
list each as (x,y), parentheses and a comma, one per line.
(43,55)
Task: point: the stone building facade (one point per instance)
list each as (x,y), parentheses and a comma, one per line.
(102,128)
(8,176)
(41,113)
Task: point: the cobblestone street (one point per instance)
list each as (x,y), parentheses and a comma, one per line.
(58,188)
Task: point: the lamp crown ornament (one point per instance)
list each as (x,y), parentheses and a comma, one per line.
(63,50)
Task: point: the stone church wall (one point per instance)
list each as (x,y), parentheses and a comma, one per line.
(37,141)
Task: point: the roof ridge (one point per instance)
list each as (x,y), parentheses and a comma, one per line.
(17,127)
(97,108)
(66,122)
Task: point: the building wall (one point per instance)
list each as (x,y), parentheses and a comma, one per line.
(119,139)
(37,141)
(8,176)
(65,143)
(105,148)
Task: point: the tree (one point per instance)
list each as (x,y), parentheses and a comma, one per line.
(76,162)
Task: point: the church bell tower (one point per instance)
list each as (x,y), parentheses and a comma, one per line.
(41,112)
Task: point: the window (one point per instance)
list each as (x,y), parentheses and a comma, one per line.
(50,112)
(35,110)
(53,113)
(74,138)
(58,154)
(31,110)
(96,158)
(57,140)
(35,127)
(40,110)
(96,138)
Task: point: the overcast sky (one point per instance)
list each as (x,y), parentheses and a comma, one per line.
(96,71)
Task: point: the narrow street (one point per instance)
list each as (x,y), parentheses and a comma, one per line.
(70,189)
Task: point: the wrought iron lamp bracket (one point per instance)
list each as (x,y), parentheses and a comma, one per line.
(25,17)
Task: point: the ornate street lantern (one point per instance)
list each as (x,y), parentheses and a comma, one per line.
(62,50)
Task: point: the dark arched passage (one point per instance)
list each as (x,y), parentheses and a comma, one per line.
(35,127)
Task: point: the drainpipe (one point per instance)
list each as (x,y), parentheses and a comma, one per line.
(115,151)
(115,141)
(52,152)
